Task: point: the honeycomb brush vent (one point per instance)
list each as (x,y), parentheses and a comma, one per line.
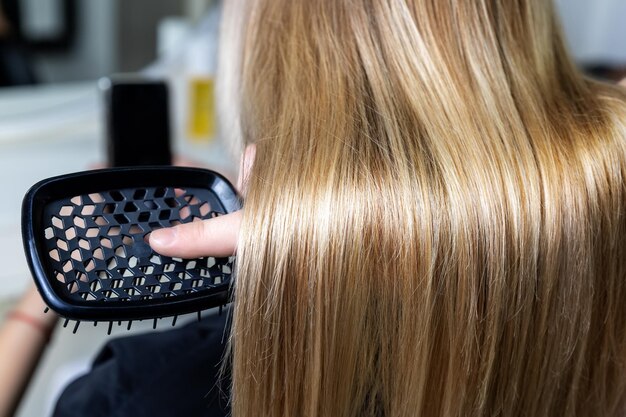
(85,241)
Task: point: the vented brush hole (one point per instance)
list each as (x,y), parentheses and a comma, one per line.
(97,245)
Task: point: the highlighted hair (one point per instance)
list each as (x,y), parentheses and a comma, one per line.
(435,220)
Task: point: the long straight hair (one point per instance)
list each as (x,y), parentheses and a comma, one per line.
(435,222)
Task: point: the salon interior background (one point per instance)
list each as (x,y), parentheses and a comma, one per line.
(74,40)
(56,126)
(122,35)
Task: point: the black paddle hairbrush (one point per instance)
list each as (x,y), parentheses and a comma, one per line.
(84,238)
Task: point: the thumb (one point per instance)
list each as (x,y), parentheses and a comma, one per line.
(215,237)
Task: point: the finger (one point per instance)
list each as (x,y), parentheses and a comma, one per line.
(213,237)
(623,82)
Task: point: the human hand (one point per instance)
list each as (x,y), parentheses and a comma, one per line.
(215,237)
(23,338)
(31,304)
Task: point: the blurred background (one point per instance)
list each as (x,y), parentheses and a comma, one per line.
(52,53)
(71,40)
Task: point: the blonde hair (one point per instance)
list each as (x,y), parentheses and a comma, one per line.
(435,220)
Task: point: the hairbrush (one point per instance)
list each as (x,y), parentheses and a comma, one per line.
(85,241)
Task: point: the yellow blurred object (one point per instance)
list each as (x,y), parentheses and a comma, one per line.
(202,123)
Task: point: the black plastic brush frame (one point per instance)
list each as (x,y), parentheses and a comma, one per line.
(84,238)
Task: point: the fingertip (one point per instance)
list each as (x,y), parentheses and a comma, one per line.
(162,238)
(211,237)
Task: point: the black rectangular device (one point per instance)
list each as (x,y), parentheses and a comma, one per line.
(137,121)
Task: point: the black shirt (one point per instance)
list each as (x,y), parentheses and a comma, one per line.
(172,373)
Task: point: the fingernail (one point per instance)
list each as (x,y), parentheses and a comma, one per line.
(163,237)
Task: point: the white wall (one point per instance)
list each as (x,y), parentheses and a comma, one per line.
(595,29)
(93,54)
